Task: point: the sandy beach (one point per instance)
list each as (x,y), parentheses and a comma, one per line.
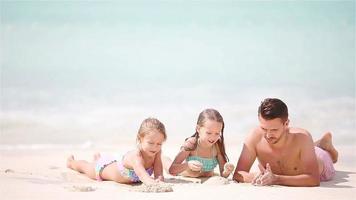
(79,77)
(42,174)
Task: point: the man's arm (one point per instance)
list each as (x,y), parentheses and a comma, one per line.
(303,180)
(246,160)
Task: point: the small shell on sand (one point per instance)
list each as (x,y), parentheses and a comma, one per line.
(53,167)
(153,188)
(216,180)
(9,171)
(78,188)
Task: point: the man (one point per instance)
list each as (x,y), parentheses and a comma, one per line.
(286,155)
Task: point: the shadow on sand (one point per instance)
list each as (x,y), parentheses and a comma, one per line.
(341,180)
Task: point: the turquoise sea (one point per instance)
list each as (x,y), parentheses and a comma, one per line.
(79,72)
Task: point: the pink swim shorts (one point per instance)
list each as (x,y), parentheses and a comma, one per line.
(328,169)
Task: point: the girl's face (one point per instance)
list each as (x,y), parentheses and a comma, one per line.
(210,132)
(151,143)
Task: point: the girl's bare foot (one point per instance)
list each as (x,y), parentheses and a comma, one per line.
(70,159)
(325,142)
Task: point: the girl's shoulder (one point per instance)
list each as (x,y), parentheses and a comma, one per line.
(132,154)
(189,144)
(131,157)
(191,140)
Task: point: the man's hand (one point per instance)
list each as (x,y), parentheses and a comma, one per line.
(257,179)
(265,177)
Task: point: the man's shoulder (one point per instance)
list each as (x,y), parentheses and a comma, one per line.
(298,131)
(300,134)
(255,135)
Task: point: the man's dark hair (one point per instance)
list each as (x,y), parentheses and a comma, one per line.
(272,108)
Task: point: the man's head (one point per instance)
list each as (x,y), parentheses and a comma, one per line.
(273,117)
(272,108)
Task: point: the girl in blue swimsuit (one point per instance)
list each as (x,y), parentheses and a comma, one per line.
(204,150)
(135,166)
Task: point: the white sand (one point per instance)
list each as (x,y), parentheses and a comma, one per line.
(42,174)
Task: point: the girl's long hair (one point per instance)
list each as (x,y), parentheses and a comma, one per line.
(214,115)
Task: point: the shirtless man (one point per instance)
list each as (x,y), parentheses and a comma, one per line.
(286,155)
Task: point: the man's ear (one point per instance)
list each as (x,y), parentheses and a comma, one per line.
(286,123)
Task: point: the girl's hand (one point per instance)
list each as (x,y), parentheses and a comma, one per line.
(228,168)
(153,182)
(195,165)
(160,178)
(158,181)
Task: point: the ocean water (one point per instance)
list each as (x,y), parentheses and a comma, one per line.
(82,72)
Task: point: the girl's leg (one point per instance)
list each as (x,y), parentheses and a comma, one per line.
(82,166)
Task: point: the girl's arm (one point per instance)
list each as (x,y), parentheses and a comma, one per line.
(177,166)
(139,168)
(225,168)
(221,161)
(157,167)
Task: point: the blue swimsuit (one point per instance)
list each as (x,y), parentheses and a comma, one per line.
(125,172)
(209,164)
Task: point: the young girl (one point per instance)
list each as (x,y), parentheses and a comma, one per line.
(136,165)
(204,150)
